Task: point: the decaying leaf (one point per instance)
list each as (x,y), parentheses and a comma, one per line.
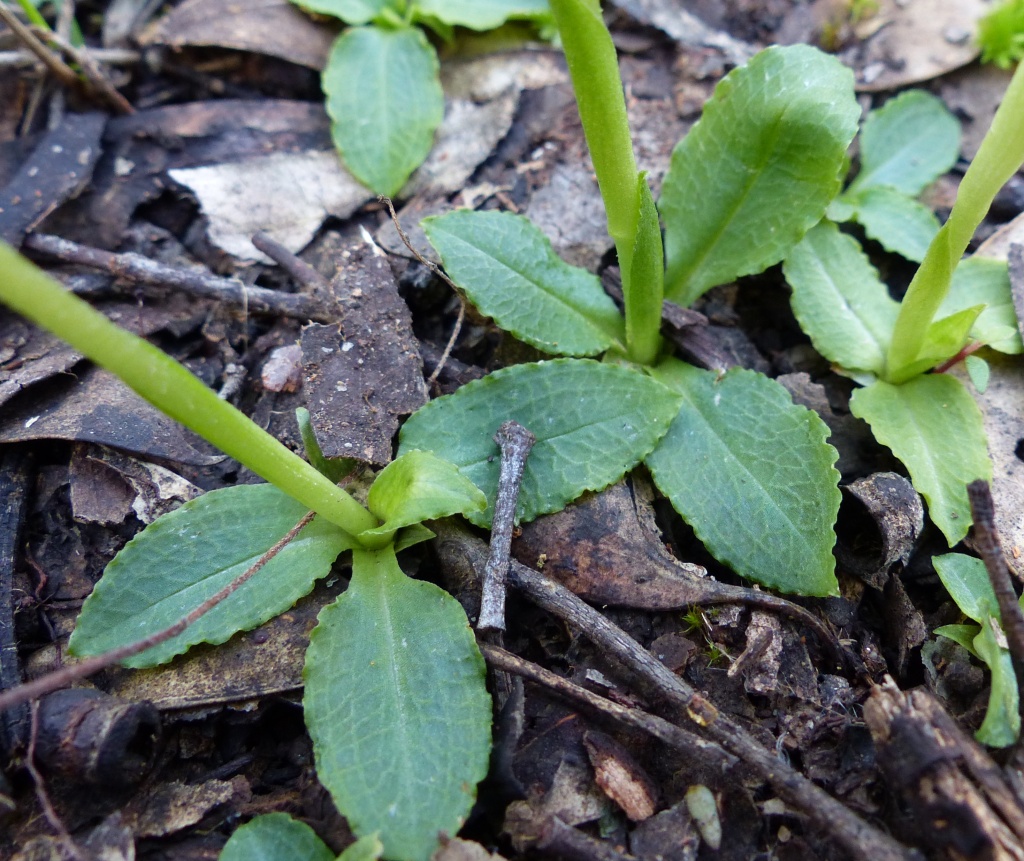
(363,374)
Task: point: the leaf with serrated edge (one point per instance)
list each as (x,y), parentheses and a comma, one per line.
(482,14)
(420,486)
(751,472)
(898,223)
(758,170)
(274,836)
(397,707)
(190,554)
(932,424)
(980,280)
(908,143)
(593,422)
(510,272)
(385,102)
(839,300)
(353,12)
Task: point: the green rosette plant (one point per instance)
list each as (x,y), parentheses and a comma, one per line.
(952,307)
(395,697)
(750,471)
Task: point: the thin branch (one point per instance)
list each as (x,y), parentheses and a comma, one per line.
(93,73)
(679,739)
(66,675)
(564,841)
(64,73)
(105,56)
(299,269)
(986,540)
(440,273)
(515,443)
(452,339)
(137,268)
(857,837)
(66,841)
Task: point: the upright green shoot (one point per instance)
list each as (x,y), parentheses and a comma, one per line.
(1000,156)
(632,217)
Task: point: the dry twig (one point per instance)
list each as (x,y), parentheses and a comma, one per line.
(433,267)
(135,267)
(857,837)
(515,443)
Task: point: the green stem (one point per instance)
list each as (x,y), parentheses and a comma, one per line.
(999,157)
(594,68)
(174,390)
(34,16)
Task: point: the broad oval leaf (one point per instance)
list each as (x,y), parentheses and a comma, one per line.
(908,143)
(482,14)
(190,554)
(510,272)
(839,300)
(897,222)
(385,102)
(420,486)
(933,425)
(353,12)
(751,472)
(593,422)
(397,707)
(272,837)
(968,584)
(980,280)
(758,170)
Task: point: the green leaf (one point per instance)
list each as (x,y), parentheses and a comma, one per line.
(967,582)
(397,707)
(411,536)
(980,280)
(272,837)
(907,144)
(420,486)
(644,289)
(353,12)
(368,848)
(899,223)
(482,14)
(190,554)
(979,372)
(1001,34)
(510,272)
(1001,726)
(946,337)
(839,300)
(335,468)
(962,634)
(593,422)
(933,425)
(385,101)
(758,170)
(751,472)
